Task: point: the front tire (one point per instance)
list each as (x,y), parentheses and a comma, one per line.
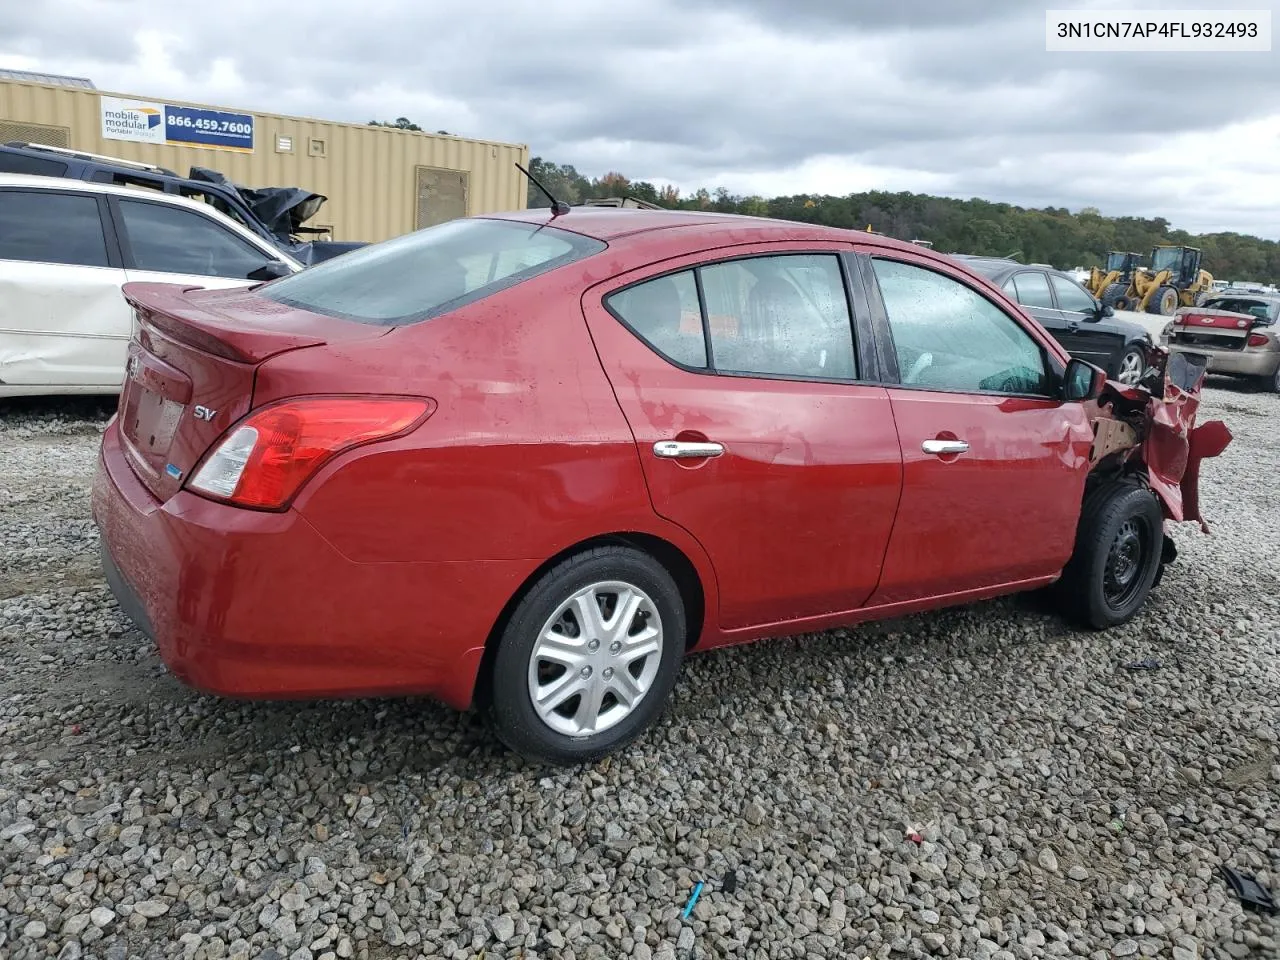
(588,658)
(1114,294)
(1165,301)
(1119,544)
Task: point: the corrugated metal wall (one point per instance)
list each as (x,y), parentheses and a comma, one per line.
(368,173)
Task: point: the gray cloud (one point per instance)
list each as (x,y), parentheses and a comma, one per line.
(745,92)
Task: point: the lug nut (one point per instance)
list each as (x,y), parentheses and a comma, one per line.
(608,673)
(593,645)
(586,672)
(615,648)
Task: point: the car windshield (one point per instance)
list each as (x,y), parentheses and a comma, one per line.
(430,272)
(1167,258)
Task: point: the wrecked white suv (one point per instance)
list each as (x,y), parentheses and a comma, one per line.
(66,249)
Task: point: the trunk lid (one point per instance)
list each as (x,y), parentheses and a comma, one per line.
(1200,318)
(1220,329)
(189,372)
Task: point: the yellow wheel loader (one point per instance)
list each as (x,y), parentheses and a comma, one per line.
(1174,280)
(1113,283)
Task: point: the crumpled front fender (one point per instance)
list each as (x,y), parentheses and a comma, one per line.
(1174,447)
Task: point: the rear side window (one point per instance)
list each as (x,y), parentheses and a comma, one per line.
(46,227)
(664,312)
(39,166)
(772,316)
(1033,290)
(430,272)
(166,239)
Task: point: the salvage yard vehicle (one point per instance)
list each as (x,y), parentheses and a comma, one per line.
(1111,284)
(1239,331)
(529,462)
(1174,279)
(273,214)
(67,247)
(1073,316)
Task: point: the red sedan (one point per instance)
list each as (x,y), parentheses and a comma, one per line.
(528,463)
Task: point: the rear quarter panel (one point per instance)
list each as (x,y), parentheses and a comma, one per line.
(527,453)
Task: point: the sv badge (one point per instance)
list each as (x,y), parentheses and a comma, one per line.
(204,413)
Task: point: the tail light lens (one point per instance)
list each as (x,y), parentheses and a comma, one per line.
(265,460)
(1257,340)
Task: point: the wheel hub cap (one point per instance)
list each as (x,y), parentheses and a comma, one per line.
(596,658)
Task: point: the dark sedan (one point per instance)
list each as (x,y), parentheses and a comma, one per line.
(1072,315)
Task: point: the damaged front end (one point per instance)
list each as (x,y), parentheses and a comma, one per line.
(1148,430)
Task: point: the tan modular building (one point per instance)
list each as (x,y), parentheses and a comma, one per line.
(380,182)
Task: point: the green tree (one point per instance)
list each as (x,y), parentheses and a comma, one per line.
(1049,235)
(399,123)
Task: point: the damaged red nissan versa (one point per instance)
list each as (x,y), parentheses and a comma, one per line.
(529,462)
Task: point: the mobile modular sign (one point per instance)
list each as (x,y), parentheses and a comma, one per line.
(143,121)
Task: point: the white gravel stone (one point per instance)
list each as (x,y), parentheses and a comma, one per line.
(995,731)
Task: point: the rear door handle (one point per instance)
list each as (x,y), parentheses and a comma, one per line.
(686,450)
(939,447)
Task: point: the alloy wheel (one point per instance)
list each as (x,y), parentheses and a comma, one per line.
(1131,367)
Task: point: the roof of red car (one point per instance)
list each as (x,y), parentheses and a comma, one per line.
(610,223)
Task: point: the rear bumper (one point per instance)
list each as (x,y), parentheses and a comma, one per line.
(249,604)
(1257,362)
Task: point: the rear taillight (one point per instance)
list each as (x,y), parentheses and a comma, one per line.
(1257,340)
(265,460)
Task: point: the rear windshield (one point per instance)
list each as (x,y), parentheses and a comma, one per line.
(1269,309)
(430,272)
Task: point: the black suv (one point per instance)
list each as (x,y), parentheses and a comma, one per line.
(1072,315)
(275,214)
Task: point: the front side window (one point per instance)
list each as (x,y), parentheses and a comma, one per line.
(778,316)
(949,337)
(167,239)
(1071,296)
(1033,289)
(429,272)
(40,226)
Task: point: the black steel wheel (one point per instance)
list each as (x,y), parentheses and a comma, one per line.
(1117,556)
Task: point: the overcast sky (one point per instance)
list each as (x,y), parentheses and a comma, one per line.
(954,97)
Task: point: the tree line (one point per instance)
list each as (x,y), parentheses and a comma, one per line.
(1050,235)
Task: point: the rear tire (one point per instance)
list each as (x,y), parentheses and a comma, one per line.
(1119,544)
(1271,384)
(569,641)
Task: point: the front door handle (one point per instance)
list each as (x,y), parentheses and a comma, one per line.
(940,447)
(686,450)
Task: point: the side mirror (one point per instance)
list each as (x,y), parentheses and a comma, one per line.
(1082,381)
(1105,310)
(271,270)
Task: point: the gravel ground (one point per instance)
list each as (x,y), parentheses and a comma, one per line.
(1061,805)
